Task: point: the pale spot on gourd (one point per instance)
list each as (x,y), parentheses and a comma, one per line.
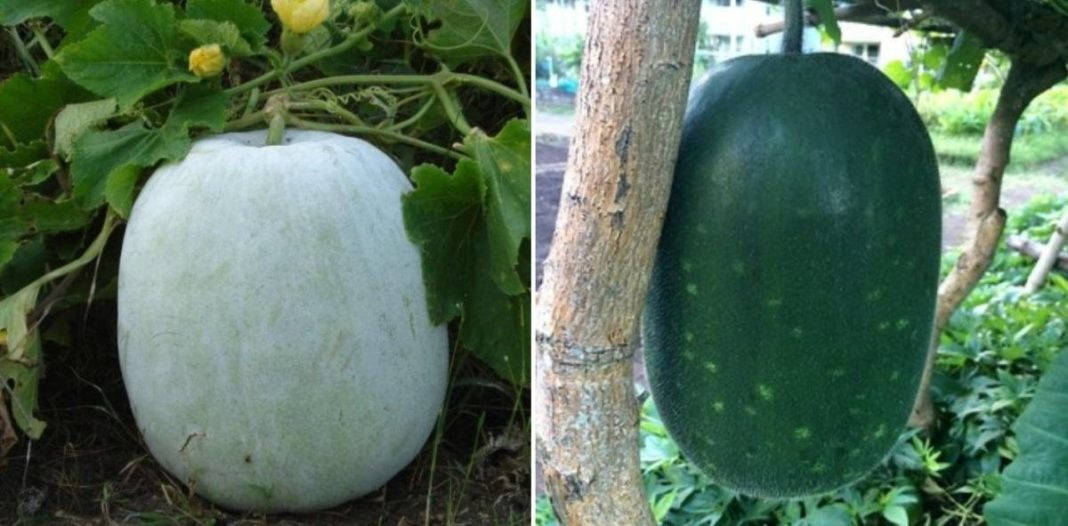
(855,452)
(838,372)
(775,302)
(701,228)
(749,410)
(854,411)
(875,295)
(738,266)
(802,433)
(686,266)
(797,332)
(884,326)
(766,392)
(688,335)
(711,367)
(901,324)
(818,467)
(691,289)
(880,431)
(718,406)
(689,355)
(895,375)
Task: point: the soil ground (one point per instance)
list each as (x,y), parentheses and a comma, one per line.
(91,468)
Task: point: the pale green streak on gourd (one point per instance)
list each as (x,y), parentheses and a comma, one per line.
(874,295)
(691,289)
(766,392)
(894,375)
(884,326)
(718,406)
(738,267)
(838,372)
(802,433)
(689,355)
(901,324)
(689,336)
(749,410)
(774,303)
(880,431)
(711,367)
(797,332)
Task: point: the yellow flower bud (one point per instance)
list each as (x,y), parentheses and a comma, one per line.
(301,16)
(207,61)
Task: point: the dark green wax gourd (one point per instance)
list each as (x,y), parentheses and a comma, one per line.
(792,300)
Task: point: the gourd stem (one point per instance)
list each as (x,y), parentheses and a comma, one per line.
(793,27)
(276,131)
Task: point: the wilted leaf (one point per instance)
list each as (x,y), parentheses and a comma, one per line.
(75,119)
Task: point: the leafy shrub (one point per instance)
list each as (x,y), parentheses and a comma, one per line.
(954,113)
(991,357)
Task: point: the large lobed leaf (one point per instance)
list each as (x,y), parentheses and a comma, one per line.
(1035,485)
(469,227)
(472,29)
(132,54)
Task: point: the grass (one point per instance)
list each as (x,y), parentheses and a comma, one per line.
(1029,150)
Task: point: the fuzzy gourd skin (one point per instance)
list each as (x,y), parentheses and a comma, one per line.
(792,299)
(272,324)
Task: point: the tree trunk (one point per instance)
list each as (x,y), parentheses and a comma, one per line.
(1049,256)
(986,220)
(636,71)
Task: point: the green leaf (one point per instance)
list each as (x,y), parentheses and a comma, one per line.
(119,189)
(19,359)
(97,154)
(65,12)
(27,104)
(75,119)
(49,217)
(199,107)
(441,217)
(131,55)
(472,29)
(962,63)
(896,515)
(1035,485)
(496,326)
(898,73)
(23,154)
(825,10)
(504,162)
(248,19)
(225,34)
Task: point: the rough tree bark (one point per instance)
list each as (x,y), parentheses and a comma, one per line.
(636,71)
(986,220)
(1049,256)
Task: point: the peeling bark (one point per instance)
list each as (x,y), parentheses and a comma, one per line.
(1049,256)
(986,220)
(635,74)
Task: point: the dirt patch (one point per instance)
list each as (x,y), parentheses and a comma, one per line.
(90,467)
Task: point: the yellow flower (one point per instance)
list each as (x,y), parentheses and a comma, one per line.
(207,61)
(301,16)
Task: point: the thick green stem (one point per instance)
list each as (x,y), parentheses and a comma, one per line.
(452,110)
(367,130)
(94,249)
(794,27)
(352,40)
(277,130)
(42,41)
(23,52)
(520,79)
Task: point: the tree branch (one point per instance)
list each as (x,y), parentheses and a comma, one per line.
(1028,31)
(635,73)
(986,220)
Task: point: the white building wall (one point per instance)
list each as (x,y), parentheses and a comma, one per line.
(731,31)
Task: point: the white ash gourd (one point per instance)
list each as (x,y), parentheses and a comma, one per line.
(272,322)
